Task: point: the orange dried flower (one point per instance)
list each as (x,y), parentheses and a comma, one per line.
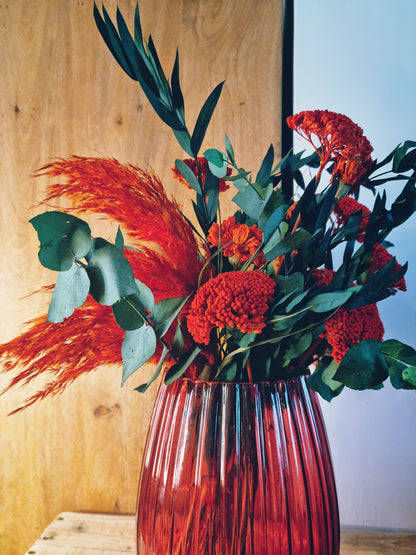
(203,165)
(336,138)
(80,344)
(238,240)
(291,209)
(236,299)
(138,202)
(167,260)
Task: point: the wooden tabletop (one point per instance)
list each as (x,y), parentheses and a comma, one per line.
(93,534)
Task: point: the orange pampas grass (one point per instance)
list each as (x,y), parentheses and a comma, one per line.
(80,344)
(166,258)
(137,201)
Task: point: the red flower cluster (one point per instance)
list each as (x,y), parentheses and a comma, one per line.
(336,138)
(349,326)
(345,207)
(236,299)
(323,277)
(237,240)
(203,165)
(343,210)
(379,259)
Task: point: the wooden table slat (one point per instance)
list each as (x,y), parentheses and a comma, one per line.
(93,534)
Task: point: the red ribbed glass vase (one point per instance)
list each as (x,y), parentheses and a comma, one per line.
(237,469)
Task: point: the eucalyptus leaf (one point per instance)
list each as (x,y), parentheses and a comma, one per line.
(218,172)
(165,312)
(290,283)
(363,366)
(401,360)
(178,342)
(324,302)
(70,292)
(274,222)
(215,157)
(145,296)
(129,313)
(110,273)
(138,347)
(409,374)
(119,242)
(289,243)
(299,345)
(264,173)
(251,199)
(322,379)
(62,237)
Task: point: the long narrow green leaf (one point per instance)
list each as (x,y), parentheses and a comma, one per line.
(138,35)
(179,368)
(159,74)
(178,101)
(184,139)
(116,44)
(204,118)
(188,175)
(266,167)
(143,387)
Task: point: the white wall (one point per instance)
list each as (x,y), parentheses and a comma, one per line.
(358,57)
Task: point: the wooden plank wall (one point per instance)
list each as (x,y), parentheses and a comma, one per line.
(61,93)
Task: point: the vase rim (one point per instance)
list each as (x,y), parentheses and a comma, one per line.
(243,383)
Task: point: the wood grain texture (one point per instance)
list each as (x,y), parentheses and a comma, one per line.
(61,93)
(90,534)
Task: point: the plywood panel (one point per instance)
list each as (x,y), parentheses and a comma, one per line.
(61,93)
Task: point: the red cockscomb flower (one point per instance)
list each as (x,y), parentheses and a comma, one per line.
(379,258)
(235,299)
(335,138)
(203,165)
(323,277)
(347,327)
(238,240)
(345,207)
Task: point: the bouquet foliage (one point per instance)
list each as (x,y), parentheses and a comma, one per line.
(286,286)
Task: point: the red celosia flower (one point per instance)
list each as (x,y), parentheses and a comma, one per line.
(203,165)
(347,327)
(379,258)
(167,260)
(336,138)
(236,299)
(238,240)
(345,207)
(323,277)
